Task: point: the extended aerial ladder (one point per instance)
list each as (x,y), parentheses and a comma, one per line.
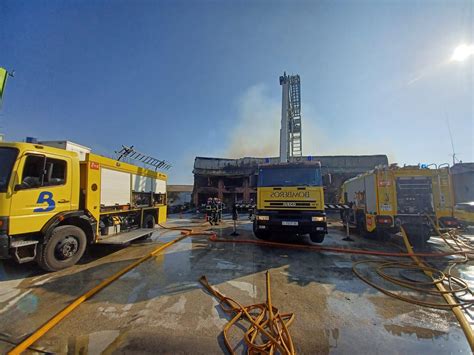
(290,132)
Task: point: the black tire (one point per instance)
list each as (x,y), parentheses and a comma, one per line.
(317,237)
(64,248)
(417,234)
(149,221)
(262,235)
(361,227)
(382,235)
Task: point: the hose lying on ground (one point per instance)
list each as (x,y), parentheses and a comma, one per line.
(58,317)
(443,284)
(268,329)
(453,290)
(331,249)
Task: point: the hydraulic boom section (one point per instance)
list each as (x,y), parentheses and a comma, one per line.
(290,133)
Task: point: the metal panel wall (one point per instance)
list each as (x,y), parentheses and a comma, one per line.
(160,187)
(356,191)
(115,187)
(370,194)
(142,183)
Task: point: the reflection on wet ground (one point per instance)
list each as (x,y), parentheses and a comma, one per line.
(159,307)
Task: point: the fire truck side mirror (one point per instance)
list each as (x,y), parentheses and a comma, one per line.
(327,179)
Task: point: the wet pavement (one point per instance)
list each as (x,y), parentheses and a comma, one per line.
(160,307)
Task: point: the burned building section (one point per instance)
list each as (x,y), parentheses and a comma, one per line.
(228,179)
(235,179)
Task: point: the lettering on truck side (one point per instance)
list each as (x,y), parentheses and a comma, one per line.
(290,194)
(45,197)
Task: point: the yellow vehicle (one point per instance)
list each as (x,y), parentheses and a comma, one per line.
(383,199)
(464,213)
(462,177)
(55,201)
(290,199)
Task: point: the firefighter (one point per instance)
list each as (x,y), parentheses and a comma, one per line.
(219,210)
(209,210)
(214,212)
(251,209)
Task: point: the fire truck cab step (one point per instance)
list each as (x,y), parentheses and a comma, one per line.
(21,254)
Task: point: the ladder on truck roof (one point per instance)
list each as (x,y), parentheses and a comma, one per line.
(295,116)
(131,153)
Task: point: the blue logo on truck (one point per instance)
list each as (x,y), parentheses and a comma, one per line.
(45,197)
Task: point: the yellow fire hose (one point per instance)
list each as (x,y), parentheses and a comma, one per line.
(438,278)
(40,332)
(268,324)
(265,321)
(448,296)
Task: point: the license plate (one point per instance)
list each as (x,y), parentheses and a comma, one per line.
(289,223)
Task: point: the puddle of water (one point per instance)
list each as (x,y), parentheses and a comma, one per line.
(245,286)
(9,290)
(226,265)
(12,302)
(421,333)
(93,343)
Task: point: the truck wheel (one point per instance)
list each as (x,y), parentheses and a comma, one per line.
(417,234)
(62,249)
(382,235)
(317,237)
(361,227)
(262,235)
(149,221)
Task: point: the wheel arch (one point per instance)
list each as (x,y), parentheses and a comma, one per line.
(74,218)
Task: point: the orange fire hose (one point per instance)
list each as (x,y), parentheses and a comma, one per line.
(333,249)
(278,335)
(265,320)
(455,284)
(58,317)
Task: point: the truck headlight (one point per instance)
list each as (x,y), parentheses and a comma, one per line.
(318,219)
(263,218)
(4,225)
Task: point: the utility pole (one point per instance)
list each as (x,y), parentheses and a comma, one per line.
(452,142)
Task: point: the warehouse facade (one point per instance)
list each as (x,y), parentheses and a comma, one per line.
(235,179)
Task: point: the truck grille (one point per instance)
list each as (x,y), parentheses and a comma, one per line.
(290,204)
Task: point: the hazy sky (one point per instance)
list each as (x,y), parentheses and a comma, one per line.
(180,79)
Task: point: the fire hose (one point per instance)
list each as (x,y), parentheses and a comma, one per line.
(265,321)
(58,317)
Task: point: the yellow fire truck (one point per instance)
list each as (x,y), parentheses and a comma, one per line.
(57,198)
(462,177)
(383,199)
(290,199)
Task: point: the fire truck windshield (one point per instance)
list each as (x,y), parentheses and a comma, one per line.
(284,176)
(7,159)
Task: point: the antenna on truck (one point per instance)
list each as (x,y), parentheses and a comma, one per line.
(131,153)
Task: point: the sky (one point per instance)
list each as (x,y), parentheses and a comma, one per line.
(180,79)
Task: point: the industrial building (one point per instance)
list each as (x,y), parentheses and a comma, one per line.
(179,197)
(463,182)
(234,179)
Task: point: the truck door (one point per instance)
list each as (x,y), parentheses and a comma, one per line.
(42,189)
